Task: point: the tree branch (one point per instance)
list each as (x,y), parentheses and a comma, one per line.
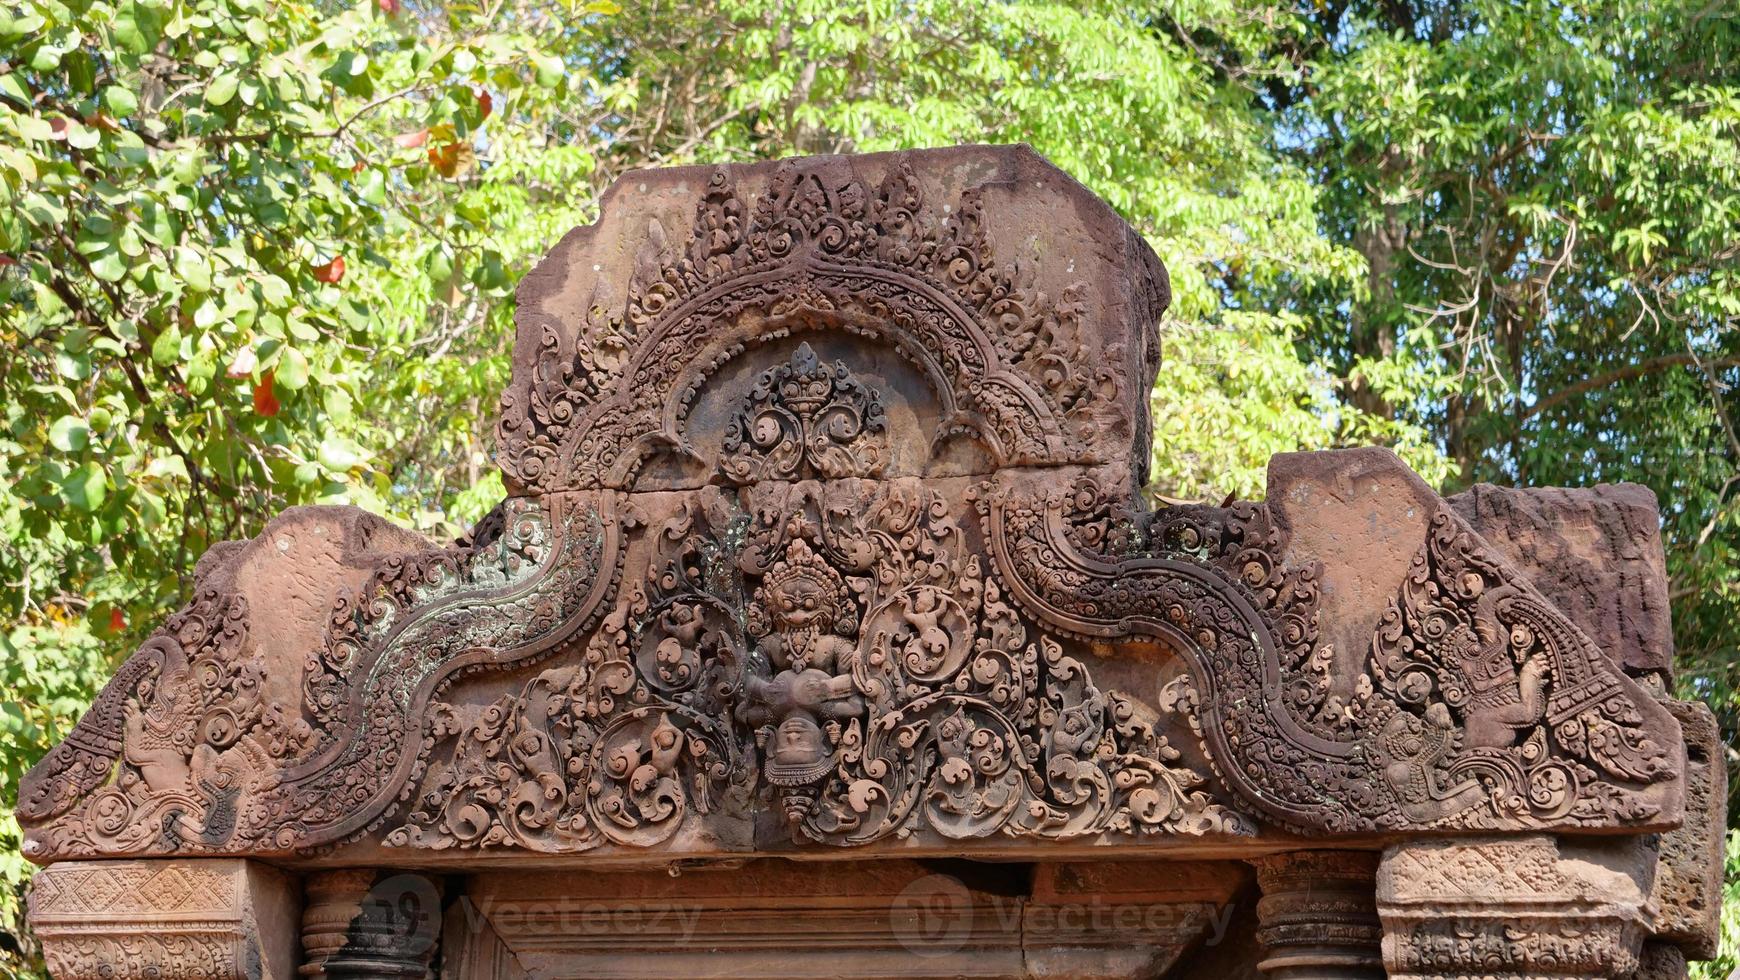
(1626,373)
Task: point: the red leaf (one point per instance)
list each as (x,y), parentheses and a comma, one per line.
(265,402)
(452,160)
(330,272)
(411,141)
(389,7)
(57,126)
(484,103)
(6,260)
(117,620)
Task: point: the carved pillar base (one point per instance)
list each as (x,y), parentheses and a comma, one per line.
(1317,918)
(1527,908)
(370,924)
(214,919)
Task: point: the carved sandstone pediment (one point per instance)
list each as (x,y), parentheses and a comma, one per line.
(824,532)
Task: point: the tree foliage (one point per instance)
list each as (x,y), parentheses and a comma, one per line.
(259,254)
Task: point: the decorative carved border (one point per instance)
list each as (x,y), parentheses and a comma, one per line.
(205,768)
(141,920)
(1446,730)
(1003,356)
(1480,707)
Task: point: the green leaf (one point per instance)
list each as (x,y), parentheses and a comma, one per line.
(69,434)
(274,290)
(192,268)
(120,101)
(109,265)
(138,27)
(292,369)
(166,349)
(339,455)
(164,467)
(82,137)
(439,266)
(222,89)
(550,70)
(85,487)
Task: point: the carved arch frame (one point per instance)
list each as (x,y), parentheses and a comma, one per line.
(956,357)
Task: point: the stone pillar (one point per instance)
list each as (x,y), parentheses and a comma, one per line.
(1317,918)
(370,925)
(214,919)
(1522,908)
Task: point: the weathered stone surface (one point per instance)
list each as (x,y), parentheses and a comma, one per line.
(881,919)
(1527,908)
(211,919)
(211,704)
(1688,883)
(1660,961)
(1596,553)
(1012,312)
(824,540)
(1318,916)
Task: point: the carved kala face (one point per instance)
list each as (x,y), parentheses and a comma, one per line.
(801,602)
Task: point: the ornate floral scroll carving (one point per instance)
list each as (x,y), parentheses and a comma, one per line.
(876,686)
(805,420)
(1482,706)
(1490,706)
(804,636)
(181,752)
(505,597)
(162,757)
(1003,355)
(619,746)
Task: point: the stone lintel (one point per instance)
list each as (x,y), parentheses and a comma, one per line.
(1518,908)
(825,540)
(166,919)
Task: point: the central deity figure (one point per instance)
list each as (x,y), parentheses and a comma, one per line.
(803,618)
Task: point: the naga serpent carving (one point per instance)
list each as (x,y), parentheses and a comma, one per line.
(269,777)
(809,638)
(1482,707)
